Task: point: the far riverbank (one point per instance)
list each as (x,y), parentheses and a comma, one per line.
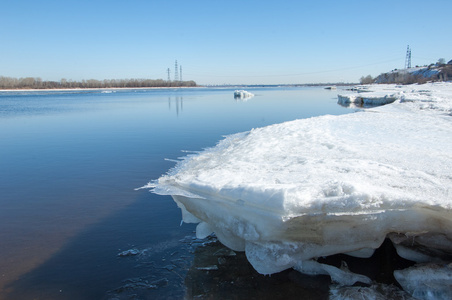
(97,89)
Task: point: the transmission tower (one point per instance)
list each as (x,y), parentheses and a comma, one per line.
(176,73)
(408,57)
(169,78)
(180,77)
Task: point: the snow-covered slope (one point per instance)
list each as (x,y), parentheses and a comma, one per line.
(412,75)
(291,192)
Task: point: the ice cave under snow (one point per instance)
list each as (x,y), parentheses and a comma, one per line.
(289,193)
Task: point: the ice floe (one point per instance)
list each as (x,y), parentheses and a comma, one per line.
(367,99)
(429,281)
(243,95)
(291,192)
(130,252)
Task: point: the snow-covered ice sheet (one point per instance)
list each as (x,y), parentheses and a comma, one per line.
(367,98)
(291,192)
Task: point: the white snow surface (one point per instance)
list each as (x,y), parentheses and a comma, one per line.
(291,192)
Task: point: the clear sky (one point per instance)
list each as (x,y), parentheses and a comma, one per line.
(216,42)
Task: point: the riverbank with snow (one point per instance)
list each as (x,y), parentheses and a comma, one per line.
(289,193)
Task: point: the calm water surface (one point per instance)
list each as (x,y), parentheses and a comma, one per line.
(69,164)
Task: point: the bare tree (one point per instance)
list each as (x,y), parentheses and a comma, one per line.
(38,83)
(366,80)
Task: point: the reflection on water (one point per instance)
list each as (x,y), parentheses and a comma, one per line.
(358,105)
(178,102)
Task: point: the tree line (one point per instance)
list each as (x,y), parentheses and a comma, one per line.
(38,83)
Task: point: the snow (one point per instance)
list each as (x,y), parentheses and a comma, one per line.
(291,192)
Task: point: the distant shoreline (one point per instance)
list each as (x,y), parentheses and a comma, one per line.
(180,87)
(97,89)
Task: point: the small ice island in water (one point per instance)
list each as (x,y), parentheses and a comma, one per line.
(242,94)
(290,193)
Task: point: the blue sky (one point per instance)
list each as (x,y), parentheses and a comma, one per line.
(216,42)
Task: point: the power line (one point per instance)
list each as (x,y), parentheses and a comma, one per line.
(300,74)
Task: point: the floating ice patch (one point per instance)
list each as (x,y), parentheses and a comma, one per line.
(243,95)
(428,281)
(342,275)
(130,252)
